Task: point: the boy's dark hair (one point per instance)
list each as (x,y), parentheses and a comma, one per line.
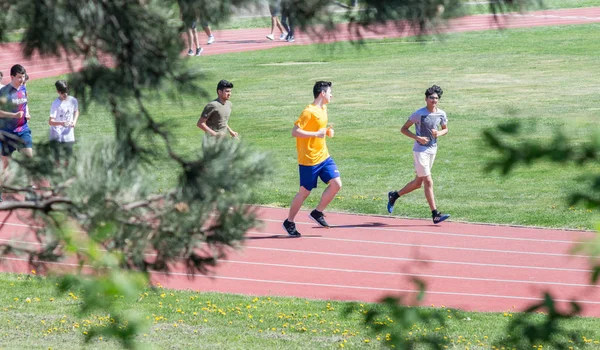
(26,77)
(224,84)
(61,86)
(320,86)
(17,69)
(434,90)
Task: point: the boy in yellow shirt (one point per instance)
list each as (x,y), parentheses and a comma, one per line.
(314,161)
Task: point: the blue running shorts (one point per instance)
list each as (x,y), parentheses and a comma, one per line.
(326,170)
(9,146)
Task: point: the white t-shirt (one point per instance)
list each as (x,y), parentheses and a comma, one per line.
(63,111)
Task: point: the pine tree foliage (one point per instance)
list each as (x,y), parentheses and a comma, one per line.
(104,209)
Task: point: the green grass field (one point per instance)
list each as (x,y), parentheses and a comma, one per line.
(34,316)
(542,77)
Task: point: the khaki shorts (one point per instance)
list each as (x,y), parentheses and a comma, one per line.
(423,163)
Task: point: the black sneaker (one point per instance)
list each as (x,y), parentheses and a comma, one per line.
(290,228)
(319,218)
(392,196)
(439,217)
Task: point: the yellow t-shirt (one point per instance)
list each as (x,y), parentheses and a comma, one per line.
(312,150)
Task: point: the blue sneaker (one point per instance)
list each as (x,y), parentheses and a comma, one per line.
(440,217)
(392,196)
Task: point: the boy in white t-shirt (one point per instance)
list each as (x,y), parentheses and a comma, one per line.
(63,119)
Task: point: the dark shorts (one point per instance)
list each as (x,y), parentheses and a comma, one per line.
(274,9)
(326,170)
(62,150)
(11,144)
(194,24)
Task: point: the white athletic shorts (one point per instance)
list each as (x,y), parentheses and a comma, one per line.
(423,163)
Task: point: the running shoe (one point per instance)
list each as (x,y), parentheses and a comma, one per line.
(190,52)
(270,37)
(319,218)
(283,36)
(290,228)
(199,51)
(211,39)
(392,196)
(440,217)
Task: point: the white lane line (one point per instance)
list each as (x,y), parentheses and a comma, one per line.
(432,246)
(370,272)
(375,288)
(420,260)
(437,233)
(395,230)
(18,225)
(585,18)
(388,273)
(323,284)
(378,257)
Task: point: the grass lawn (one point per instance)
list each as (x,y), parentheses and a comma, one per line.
(34,316)
(542,77)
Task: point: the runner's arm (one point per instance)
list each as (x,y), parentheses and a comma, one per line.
(299,133)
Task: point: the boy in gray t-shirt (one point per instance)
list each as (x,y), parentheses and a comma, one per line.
(214,120)
(430,123)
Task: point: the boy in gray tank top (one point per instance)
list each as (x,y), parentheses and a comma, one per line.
(430,123)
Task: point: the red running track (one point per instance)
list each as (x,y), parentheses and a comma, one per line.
(466,266)
(242,40)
